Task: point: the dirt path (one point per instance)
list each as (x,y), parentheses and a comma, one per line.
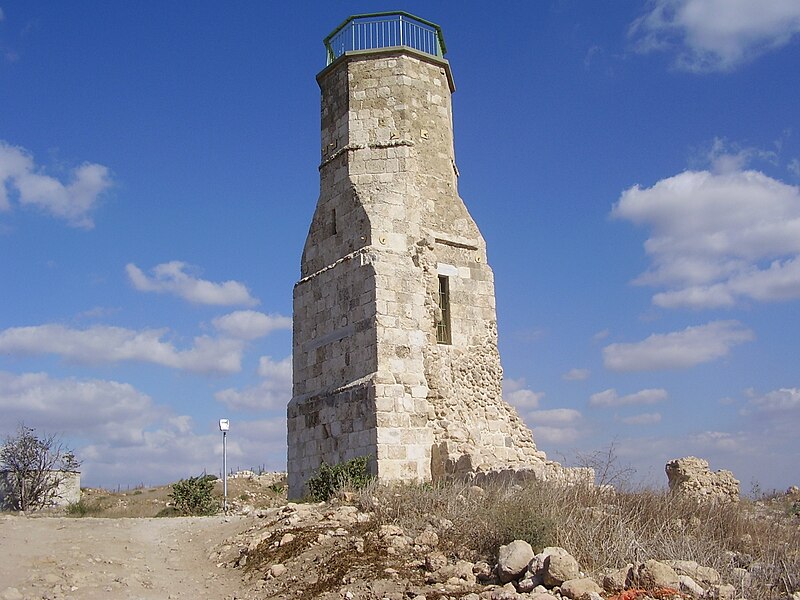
(89,559)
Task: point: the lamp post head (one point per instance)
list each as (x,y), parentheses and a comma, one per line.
(224,425)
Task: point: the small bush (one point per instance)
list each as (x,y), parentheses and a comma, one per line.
(81,508)
(194,496)
(330,479)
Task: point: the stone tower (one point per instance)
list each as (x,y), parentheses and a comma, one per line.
(395,333)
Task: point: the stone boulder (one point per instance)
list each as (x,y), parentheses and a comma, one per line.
(618,579)
(513,560)
(690,568)
(652,575)
(690,477)
(558,567)
(580,589)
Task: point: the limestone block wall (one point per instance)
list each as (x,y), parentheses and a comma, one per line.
(369,375)
(67,492)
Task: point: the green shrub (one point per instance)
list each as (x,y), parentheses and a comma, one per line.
(330,479)
(81,508)
(194,496)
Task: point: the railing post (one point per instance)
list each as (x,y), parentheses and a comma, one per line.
(401,30)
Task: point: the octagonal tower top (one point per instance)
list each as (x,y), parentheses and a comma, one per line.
(381,30)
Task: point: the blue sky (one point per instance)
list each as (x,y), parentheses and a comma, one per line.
(634,167)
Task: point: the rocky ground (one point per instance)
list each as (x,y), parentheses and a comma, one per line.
(272,549)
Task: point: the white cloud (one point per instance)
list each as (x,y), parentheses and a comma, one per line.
(794,166)
(555,435)
(601,335)
(172,278)
(103,344)
(576,375)
(73,202)
(173,449)
(777,402)
(516,394)
(108,410)
(718,238)
(250,324)
(716,35)
(643,419)
(553,416)
(610,397)
(677,350)
(274,391)
(130,438)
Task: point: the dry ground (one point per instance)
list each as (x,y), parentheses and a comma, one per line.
(120,550)
(94,558)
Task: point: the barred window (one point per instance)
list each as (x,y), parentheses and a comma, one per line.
(443,318)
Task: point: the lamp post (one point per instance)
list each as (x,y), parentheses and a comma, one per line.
(224,425)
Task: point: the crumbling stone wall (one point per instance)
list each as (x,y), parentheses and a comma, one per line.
(691,477)
(67,492)
(369,375)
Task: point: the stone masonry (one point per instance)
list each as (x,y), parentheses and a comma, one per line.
(691,477)
(389,230)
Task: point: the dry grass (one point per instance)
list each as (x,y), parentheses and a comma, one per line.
(603,529)
(152,502)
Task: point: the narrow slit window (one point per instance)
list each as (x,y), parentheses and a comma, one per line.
(443,317)
(333,222)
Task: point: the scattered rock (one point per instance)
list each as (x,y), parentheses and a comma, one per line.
(705,575)
(482,570)
(427,538)
(580,589)
(513,560)
(435,561)
(618,580)
(687,585)
(722,592)
(277,570)
(559,566)
(653,574)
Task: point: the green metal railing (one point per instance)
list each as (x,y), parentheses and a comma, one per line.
(385,30)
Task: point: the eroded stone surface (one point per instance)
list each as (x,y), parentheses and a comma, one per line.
(692,478)
(369,375)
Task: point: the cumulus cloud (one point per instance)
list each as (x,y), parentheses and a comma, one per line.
(131,439)
(104,344)
(718,238)
(516,393)
(610,397)
(176,448)
(553,416)
(643,419)
(554,435)
(109,410)
(716,35)
(774,403)
(576,375)
(679,349)
(274,390)
(176,278)
(250,324)
(73,202)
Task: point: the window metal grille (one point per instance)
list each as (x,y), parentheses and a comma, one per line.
(443,333)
